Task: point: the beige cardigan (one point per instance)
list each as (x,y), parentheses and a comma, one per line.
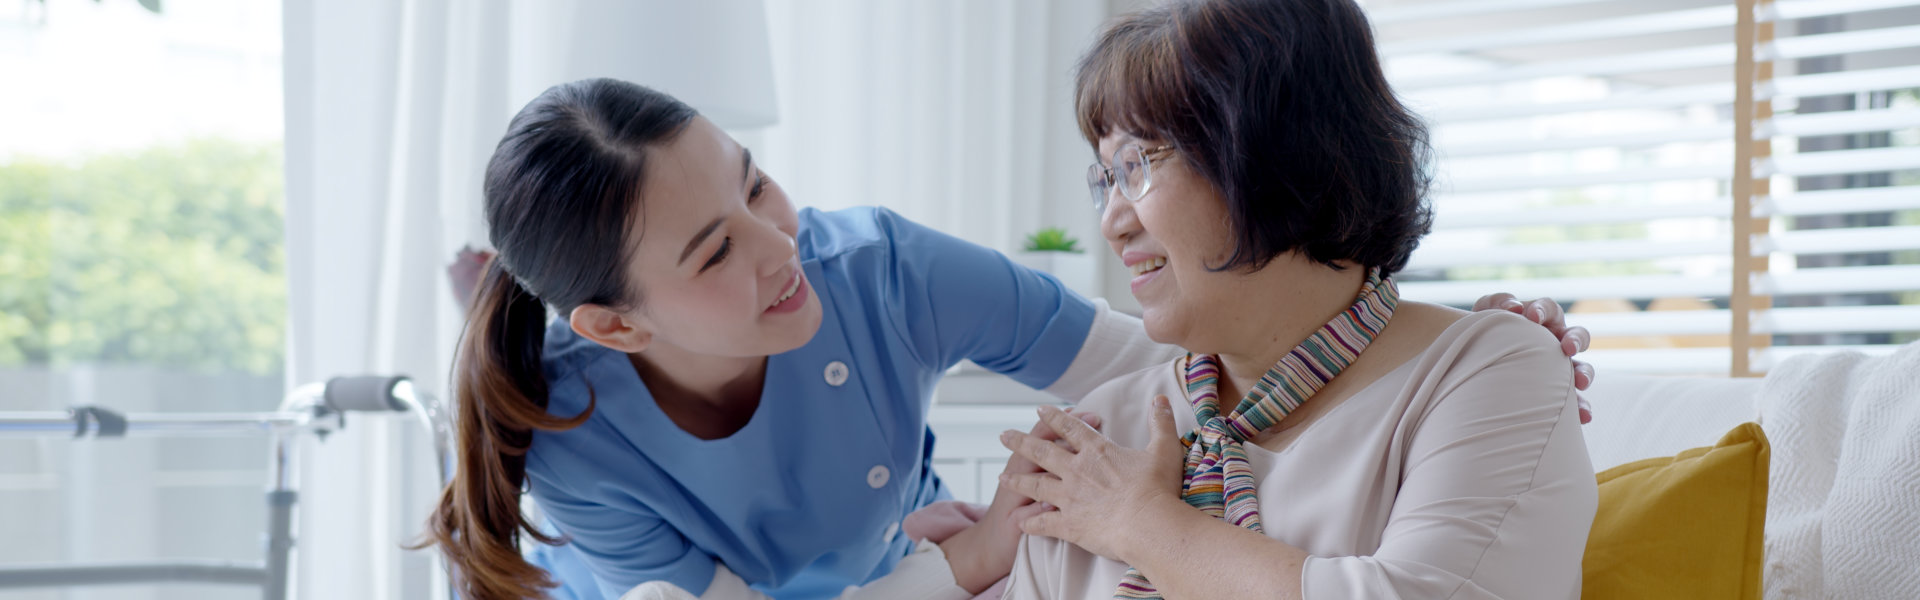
(1460,474)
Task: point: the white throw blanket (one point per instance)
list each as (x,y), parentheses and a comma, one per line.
(1843,514)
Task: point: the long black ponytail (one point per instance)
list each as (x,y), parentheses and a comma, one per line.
(560,193)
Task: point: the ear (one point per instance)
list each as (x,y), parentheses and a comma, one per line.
(606,327)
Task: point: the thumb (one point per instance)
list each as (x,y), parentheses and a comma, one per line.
(1163,432)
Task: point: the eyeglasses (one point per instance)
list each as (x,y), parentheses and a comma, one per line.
(1136,174)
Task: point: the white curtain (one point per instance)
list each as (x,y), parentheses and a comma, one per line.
(392,109)
(956,114)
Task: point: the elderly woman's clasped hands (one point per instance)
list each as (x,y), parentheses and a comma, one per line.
(1104,496)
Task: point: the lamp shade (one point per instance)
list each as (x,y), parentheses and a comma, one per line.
(711,54)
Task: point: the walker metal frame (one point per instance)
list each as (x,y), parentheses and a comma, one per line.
(313,409)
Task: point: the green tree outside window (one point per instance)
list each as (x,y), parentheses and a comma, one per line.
(170,256)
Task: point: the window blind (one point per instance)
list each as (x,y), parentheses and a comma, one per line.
(1711,186)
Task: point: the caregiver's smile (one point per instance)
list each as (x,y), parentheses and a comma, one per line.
(793,296)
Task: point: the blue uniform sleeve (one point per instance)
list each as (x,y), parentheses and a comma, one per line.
(624,546)
(952,300)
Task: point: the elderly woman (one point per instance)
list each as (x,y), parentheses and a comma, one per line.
(1322,438)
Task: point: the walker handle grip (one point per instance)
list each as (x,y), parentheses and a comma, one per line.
(367,393)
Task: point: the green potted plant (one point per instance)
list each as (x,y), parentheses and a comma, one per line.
(1054,251)
(1052,239)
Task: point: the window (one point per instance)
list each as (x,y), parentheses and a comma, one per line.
(1587,151)
(141,270)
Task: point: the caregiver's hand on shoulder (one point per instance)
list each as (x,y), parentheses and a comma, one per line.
(1573,340)
(983,553)
(1099,490)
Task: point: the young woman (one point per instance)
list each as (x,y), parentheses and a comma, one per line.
(1325,438)
(736,393)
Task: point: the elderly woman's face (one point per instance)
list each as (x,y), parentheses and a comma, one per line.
(1168,238)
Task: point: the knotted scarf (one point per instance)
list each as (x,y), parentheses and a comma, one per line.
(1218,479)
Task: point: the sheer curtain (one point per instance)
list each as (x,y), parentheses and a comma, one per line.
(392,109)
(957,115)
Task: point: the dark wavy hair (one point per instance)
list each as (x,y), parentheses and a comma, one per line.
(1283,107)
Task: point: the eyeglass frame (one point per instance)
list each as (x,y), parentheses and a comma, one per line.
(1147,156)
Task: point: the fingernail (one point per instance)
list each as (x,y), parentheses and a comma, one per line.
(1006,436)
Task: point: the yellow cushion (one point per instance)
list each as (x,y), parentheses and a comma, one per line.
(1682,527)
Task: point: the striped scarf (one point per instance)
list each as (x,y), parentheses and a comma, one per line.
(1218,480)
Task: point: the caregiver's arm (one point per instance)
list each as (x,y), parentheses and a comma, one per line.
(1116,344)
(949,300)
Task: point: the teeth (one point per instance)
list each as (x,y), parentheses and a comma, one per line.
(793,287)
(1148,266)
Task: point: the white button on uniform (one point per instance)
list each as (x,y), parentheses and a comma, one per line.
(892,529)
(877,476)
(837,374)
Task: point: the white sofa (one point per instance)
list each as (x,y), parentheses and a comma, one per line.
(1638,416)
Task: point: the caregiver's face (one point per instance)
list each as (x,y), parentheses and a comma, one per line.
(1168,238)
(716,266)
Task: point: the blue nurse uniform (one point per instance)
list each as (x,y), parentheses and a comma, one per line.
(807,498)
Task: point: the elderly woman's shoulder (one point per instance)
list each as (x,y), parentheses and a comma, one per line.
(1124,403)
(1159,377)
(1513,350)
(1436,327)
(1448,342)
(1502,328)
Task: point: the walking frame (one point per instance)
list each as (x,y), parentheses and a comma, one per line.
(313,409)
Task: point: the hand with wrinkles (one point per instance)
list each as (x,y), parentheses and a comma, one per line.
(1094,483)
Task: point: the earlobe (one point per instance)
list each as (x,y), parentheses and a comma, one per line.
(610,328)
